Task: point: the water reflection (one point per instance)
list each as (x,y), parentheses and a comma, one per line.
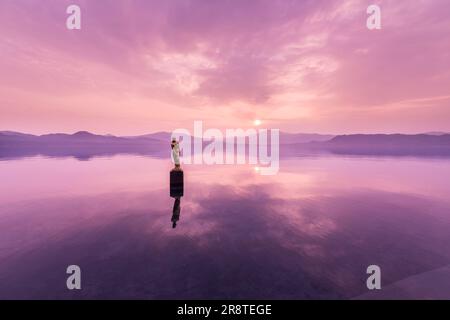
(176,191)
(176,212)
(308,232)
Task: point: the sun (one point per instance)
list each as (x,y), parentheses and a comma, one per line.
(257,122)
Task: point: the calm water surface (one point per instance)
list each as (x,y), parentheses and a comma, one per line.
(308,232)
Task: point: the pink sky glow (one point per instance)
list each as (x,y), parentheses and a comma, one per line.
(140,66)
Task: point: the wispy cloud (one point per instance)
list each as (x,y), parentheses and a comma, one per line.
(140,66)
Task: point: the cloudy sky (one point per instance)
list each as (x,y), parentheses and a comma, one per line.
(139,66)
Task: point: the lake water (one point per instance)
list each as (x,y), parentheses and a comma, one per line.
(309,232)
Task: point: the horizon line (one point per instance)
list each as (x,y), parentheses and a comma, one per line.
(285,132)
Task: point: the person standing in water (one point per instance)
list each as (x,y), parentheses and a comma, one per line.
(176,182)
(176,154)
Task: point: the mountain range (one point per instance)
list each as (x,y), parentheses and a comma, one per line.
(84,145)
(152,138)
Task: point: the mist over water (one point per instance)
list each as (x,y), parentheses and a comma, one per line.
(308,232)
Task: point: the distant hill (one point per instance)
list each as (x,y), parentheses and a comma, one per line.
(351,140)
(14,134)
(161,136)
(285,138)
(291,138)
(84,144)
(81,145)
(64,138)
(387,144)
(436,133)
(394,140)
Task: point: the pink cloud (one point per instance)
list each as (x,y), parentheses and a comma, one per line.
(139,66)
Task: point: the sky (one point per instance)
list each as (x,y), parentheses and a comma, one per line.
(140,66)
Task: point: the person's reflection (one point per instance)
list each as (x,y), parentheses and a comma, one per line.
(176,212)
(176,192)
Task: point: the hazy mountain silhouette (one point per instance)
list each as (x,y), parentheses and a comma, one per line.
(84,145)
(392,139)
(388,144)
(436,133)
(291,138)
(161,136)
